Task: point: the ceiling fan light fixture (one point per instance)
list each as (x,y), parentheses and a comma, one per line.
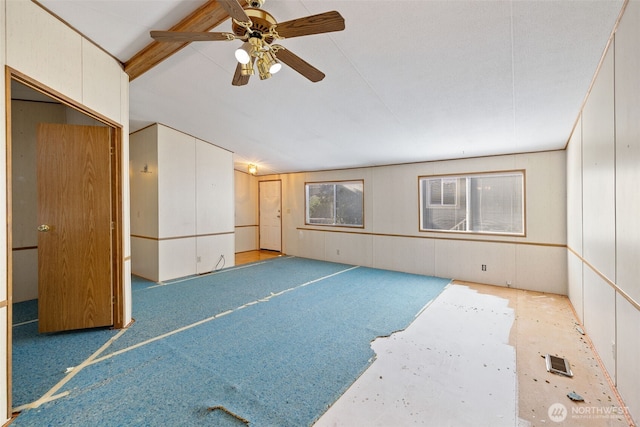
(271,62)
(247,69)
(243,53)
(263,69)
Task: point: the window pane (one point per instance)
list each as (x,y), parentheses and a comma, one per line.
(335,204)
(320,203)
(435,191)
(449,192)
(349,204)
(450,215)
(495,203)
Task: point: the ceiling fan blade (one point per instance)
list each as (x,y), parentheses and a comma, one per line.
(299,64)
(234,10)
(314,24)
(183,37)
(238,78)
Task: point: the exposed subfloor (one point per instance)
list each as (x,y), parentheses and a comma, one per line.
(475,357)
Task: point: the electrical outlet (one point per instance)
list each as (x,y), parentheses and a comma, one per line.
(508,283)
(198,259)
(337,251)
(484,267)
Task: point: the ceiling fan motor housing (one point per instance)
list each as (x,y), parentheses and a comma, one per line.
(261,23)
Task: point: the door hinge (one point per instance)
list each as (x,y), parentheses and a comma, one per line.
(113,225)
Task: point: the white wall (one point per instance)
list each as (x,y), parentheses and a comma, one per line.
(246,211)
(603,172)
(391,238)
(182,207)
(41,47)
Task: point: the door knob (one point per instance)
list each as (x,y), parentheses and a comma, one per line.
(44,228)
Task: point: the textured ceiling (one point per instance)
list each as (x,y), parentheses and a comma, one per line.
(406,81)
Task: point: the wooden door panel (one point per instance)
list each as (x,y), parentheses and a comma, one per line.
(74,202)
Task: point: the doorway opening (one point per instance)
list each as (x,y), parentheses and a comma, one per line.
(30,104)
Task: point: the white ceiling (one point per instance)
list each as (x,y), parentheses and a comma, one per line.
(406,81)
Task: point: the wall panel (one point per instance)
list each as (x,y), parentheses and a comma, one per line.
(176,184)
(393,193)
(311,244)
(349,248)
(628,350)
(415,256)
(598,173)
(144,261)
(215,252)
(246,239)
(600,317)
(546,196)
(143,172)
(246,199)
(176,258)
(214,189)
(25,275)
(628,151)
(574,190)
(44,48)
(463,260)
(104,97)
(541,268)
(574,274)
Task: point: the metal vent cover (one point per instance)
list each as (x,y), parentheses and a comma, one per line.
(558,365)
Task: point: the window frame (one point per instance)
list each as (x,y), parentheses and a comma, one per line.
(422,206)
(333,182)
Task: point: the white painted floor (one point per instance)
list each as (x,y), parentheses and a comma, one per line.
(453,366)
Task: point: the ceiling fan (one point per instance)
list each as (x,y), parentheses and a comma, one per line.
(258,30)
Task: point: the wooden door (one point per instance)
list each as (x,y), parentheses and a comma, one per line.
(74,224)
(270,215)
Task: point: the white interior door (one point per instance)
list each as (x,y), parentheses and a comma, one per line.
(270,215)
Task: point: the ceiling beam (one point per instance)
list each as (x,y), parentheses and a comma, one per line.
(206,17)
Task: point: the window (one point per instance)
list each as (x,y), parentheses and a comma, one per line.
(442,191)
(479,203)
(335,203)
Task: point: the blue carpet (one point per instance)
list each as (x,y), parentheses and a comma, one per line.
(51,354)
(279,362)
(205,296)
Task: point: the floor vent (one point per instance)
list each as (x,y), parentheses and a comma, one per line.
(558,365)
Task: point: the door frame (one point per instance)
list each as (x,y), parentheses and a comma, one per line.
(279,181)
(117,250)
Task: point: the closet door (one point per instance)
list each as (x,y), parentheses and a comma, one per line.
(74,217)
